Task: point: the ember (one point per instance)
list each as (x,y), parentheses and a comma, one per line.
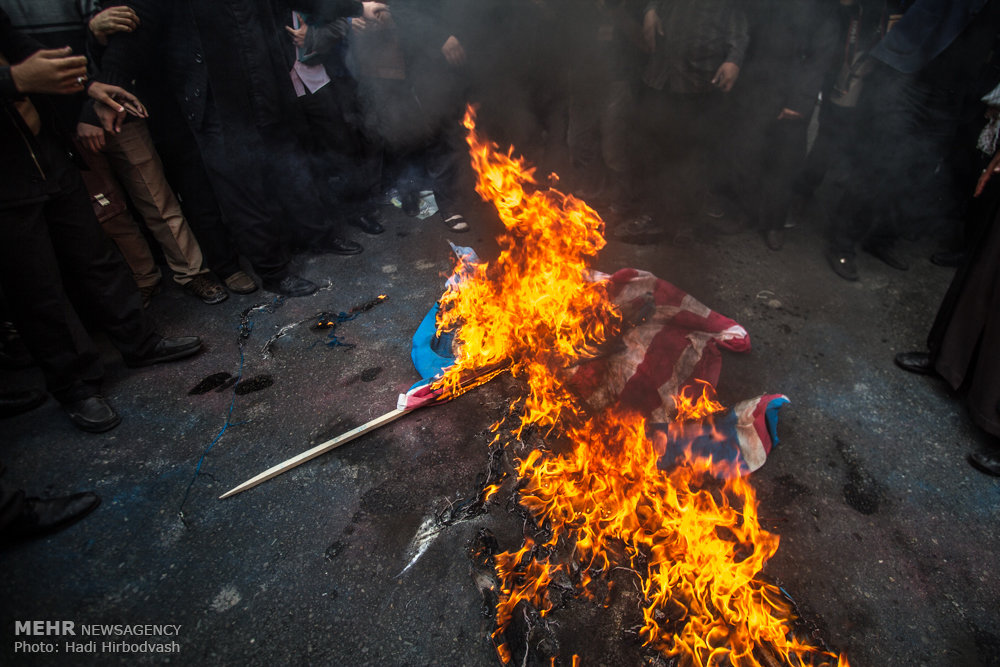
(691,533)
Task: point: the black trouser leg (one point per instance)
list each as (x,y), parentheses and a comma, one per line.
(47,245)
(779,166)
(186,174)
(40,307)
(238,181)
(901,129)
(340,152)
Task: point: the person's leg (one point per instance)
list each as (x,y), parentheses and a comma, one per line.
(89,263)
(449,173)
(782,161)
(314,221)
(340,154)
(123,228)
(871,172)
(49,326)
(711,115)
(583,136)
(185,171)
(231,156)
(898,160)
(743,176)
(138,166)
(617,129)
(239,186)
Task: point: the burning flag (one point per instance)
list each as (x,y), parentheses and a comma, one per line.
(599,356)
(668,344)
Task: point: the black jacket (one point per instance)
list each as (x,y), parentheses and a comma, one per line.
(792,46)
(232,47)
(23,171)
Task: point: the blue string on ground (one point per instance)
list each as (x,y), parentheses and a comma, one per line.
(246,328)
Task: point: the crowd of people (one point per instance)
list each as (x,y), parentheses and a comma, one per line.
(234,133)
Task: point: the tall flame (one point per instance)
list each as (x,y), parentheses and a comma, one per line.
(695,542)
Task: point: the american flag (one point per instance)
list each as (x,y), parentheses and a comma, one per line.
(669,341)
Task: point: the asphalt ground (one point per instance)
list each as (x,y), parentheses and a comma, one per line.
(888,536)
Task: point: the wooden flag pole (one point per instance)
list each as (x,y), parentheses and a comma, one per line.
(316,451)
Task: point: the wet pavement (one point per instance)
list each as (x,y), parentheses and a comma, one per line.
(888,537)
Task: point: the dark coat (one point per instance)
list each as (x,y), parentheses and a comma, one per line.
(234,48)
(22,167)
(966,333)
(792,46)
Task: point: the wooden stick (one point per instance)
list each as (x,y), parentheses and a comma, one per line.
(316,451)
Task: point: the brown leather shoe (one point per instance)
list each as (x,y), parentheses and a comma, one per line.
(240,283)
(205,288)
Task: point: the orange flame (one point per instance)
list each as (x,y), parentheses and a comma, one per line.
(695,542)
(692,406)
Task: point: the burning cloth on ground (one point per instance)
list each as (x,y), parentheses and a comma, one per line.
(671,343)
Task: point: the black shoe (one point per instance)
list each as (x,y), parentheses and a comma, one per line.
(369,223)
(168,349)
(986,464)
(18,402)
(411,203)
(290,285)
(93,414)
(887,255)
(340,246)
(775,238)
(915,362)
(948,258)
(843,265)
(42,516)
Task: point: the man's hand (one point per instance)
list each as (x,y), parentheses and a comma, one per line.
(112,103)
(50,71)
(652,27)
(992,168)
(453,51)
(112,20)
(789,114)
(373,11)
(725,77)
(91,136)
(298,35)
